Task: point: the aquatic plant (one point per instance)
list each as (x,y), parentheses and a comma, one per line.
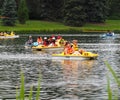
(22,96)
(110,93)
(109,89)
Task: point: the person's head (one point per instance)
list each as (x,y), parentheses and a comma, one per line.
(30,37)
(75,41)
(53,38)
(45,38)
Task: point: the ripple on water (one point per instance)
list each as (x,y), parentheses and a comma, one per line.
(61,79)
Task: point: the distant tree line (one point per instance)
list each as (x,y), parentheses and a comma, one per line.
(70,12)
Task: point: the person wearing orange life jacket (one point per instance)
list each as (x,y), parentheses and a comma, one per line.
(68,49)
(39,40)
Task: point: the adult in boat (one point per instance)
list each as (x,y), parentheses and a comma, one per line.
(12,33)
(60,41)
(110,33)
(50,39)
(52,43)
(39,40)
(75,45)
(45,41)
(1,33)
(30,40)
(68,49)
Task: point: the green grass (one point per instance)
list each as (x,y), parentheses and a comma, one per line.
(35,25)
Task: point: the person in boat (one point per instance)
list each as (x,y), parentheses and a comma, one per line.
(109,33)
(81,51)
(30,40)
(12,33)
(50,39)
(39,40)
(75,45)
(59,41)
(68,49)
(53,42)
(1,34)
(45,41)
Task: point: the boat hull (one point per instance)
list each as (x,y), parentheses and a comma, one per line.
(107,36)
(40,48)
(6,37)
(75,57)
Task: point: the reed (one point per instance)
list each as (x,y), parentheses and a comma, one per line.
(110,93)
(22,87)
(113,73)
(22,96)
(109,89)
(38,89)
(30,95)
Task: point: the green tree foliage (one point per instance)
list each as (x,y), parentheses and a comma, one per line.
(9,13)
(74,13)
(45,9)
(97,10)
(22,12)
(1,3)
(114,12)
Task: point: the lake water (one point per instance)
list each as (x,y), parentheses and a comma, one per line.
(60,79)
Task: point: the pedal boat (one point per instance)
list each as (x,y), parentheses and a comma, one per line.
(47,48)
(9,36)
(85,55)
(107,36)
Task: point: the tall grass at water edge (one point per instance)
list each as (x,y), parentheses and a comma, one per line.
(21,95)
(110,93)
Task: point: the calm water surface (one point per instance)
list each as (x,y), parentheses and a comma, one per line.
(61,79)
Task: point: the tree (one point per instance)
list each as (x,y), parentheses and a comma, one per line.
(74,13)
(97,10)
(22,12)
(45,9)
(115,9)
(9,13)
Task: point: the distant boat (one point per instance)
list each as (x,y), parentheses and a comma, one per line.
(108,35)
(11,35)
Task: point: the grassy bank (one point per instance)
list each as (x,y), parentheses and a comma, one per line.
(33,25)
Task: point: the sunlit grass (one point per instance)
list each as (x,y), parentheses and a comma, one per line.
(36,25)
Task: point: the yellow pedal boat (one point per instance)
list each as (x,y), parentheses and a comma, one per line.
(47,48)
(85,55)
(11,35)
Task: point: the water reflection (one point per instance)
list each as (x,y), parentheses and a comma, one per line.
(73,72)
